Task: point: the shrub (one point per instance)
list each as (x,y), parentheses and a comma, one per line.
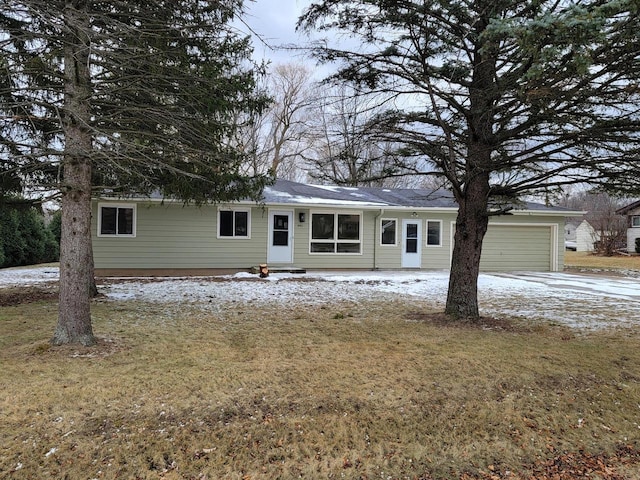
(25,239)
(637,245)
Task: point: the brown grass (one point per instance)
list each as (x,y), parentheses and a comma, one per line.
(590,261)
(371,390)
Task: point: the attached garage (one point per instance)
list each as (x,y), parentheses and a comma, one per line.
(509,247)
(300,226)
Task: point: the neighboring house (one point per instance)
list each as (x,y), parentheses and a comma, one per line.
(314,227)
(632,212)
(586,237)
(570,235)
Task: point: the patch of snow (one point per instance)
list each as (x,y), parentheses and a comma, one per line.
(580,301)
(329,201)
(28,276)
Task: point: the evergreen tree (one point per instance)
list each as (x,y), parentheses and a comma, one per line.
(499,98)
(129,96)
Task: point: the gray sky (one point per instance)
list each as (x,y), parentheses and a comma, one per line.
(275,22)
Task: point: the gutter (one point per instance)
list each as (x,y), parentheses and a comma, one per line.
(376,236)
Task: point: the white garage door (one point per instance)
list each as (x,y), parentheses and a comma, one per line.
(517,247)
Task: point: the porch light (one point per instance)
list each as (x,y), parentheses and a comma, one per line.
(301,217)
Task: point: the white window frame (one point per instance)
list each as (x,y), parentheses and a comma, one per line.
(335,241)
(395,239)
(134,219)
(635,221)
(234,236)
(426,241)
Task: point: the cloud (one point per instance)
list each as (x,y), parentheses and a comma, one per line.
(273,26)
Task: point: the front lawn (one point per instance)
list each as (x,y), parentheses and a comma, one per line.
(368,389)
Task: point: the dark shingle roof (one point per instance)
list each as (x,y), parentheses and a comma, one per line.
(287,192)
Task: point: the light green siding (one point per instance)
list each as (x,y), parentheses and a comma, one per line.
(177,236)
(173,236)
(432,257)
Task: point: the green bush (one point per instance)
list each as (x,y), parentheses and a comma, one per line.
(25,238)
(13,242)
(637,245)
(55,226)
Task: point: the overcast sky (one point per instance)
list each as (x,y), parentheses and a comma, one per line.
(275,22)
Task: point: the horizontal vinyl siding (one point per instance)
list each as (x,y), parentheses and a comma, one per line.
(174,236)
(433,257)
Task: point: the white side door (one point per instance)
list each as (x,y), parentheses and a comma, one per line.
(280,248)
(411,243)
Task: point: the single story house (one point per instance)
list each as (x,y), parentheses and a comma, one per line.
(314,227)
(632,212)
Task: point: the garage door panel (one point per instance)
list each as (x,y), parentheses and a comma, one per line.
(515,247)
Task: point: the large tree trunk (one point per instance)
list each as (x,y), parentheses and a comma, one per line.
(471,227)
(76,264)
(473,199)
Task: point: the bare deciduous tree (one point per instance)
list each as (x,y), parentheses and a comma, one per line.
(278,137)
(347,149)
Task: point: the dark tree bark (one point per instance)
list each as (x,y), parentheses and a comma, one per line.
(76,262)
(122,97)
(471,226)
(473,197)
(498,99)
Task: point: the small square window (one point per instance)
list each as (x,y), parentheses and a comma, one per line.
(233,223)
(116,220)
(635,221)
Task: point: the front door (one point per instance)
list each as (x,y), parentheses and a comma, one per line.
(280,236)
(411,243)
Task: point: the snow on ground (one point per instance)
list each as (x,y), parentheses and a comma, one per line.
(579,301)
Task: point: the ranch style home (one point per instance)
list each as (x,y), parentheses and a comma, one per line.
(300,226)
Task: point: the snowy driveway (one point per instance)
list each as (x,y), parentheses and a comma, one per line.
(577,300)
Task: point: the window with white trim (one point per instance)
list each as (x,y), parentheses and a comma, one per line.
(234,223)
(388,229)
(434,233)
(116,220)
(635,221)
(335,232)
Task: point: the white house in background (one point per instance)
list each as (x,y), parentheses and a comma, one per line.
(586,237)
(570,235)
(632,212)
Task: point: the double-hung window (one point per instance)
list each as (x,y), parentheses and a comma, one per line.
(234,223)
(116,220)
(434,233)
(335,232)
(635,221)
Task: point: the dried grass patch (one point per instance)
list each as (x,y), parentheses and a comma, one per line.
(345,390)
(591,262)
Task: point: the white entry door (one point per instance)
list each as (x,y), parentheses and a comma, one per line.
(411,243)
(280,249)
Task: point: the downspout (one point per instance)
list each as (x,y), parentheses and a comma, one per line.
(376,237)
